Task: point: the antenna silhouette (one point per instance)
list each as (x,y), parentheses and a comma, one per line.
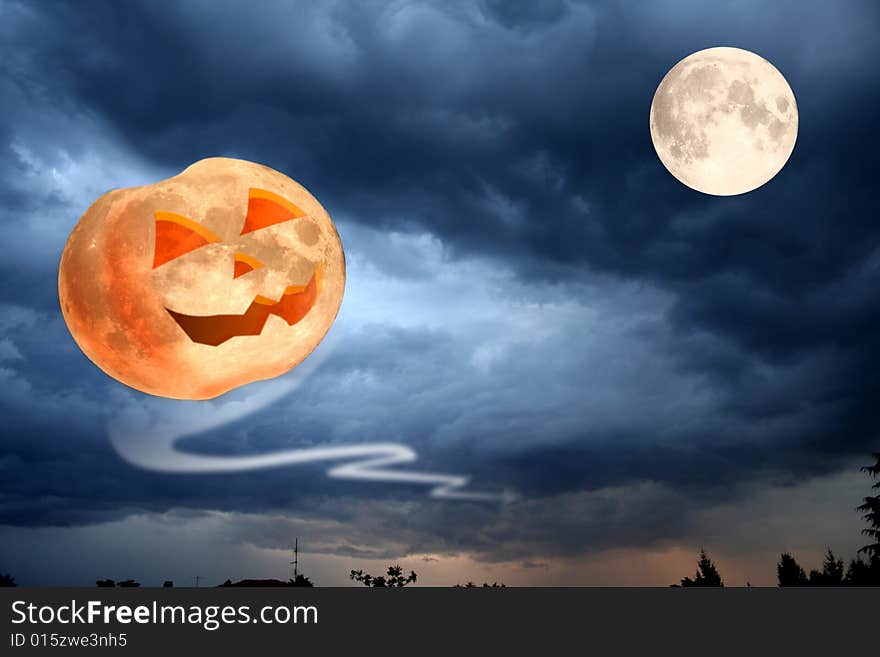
(295,562)
(197,578)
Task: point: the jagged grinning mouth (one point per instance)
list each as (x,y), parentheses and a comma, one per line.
(214,330)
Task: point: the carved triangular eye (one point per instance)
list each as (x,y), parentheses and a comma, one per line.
(177,235)
(267,209)
(244,264)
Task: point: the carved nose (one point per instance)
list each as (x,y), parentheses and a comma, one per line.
(244,264)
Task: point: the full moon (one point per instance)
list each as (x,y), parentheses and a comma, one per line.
(724,121)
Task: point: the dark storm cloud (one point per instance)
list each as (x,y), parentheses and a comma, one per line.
(714,340)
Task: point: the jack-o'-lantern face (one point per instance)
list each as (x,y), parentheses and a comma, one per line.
(287,261)
(228,273)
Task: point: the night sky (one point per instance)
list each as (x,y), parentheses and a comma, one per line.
(532,299)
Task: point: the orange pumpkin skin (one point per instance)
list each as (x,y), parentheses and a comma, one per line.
(225,274)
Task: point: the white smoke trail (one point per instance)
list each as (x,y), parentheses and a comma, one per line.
(146,436)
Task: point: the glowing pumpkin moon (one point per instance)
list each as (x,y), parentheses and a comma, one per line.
(227,273)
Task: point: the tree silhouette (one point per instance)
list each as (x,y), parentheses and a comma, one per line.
(789,572)
(393,578)
(859,572)
(486,585)
(832,572)
(863,573)
(301,580)
(871,507)
(706,575)
(7,580)
(129,584)
(867,573)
